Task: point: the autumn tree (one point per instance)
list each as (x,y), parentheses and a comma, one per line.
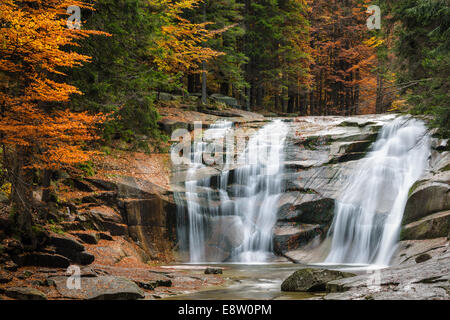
(36,132)
(151,49)
(344,54)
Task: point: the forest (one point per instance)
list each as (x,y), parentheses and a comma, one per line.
(79,77)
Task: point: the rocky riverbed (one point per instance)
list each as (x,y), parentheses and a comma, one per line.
(121,227)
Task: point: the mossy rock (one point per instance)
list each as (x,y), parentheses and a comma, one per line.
(312,280)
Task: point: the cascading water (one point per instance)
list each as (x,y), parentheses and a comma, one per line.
(231,216)
(368,215)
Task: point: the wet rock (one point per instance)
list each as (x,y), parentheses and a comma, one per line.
(100,288)
(213,271)
(422,258)
(306,208)
(433,226)
(312,280)
(25,293)
(290,236)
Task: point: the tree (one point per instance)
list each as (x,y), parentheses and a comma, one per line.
(277,44)
(35,129)
(344,53)
(150,49)
(423,31)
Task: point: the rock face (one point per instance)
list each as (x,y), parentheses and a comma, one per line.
(100,288)
(312,280)
(433,226)
(427,197)
(418,281)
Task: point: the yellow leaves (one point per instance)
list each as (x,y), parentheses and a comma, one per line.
(33,42)
(398,105)
(180,45)
(373,42)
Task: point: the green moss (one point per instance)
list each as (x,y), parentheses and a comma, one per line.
(87,168)
(414,187)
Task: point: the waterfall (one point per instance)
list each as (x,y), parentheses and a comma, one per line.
(368,216)
(231,216)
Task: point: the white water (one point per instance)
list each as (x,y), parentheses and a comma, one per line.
(368,216)
(251,209)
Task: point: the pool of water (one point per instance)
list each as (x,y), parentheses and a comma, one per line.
(247,282)
(258,281)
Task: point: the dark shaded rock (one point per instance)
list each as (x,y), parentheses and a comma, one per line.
(5,277)
(306,208)
(213,271)
(86,237)
(146,285)
(12,246)
(10,266)
(84,258)
(100,288)
(422,258)
(25,275)
(71,249)
(25,293)
(163,283)
(433,226)
(82,185)
(105,236)
(312,280)
(65,244)
(46,260)
(106,218)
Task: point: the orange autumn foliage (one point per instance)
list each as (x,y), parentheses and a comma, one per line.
(34,47)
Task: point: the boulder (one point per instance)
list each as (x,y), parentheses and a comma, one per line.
(25,293)
(433,226)
(229,101)
(422,258)
(70,248)
(427,197)
(65,243)
(312,280)
(99,288)
(213,271)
